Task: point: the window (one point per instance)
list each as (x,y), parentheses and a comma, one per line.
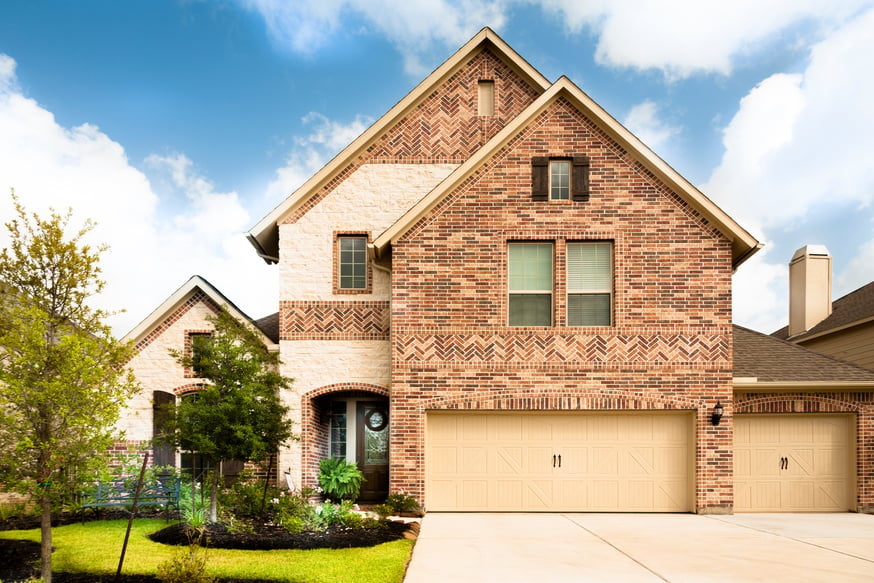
(338,429)
(199,346)
(560,180)
(530,284)
(589,284)
(352,264)
(564,178)
(486,105)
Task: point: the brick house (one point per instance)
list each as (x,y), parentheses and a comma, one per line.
(498,298)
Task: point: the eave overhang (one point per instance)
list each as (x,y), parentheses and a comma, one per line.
(264,236)
(743,243)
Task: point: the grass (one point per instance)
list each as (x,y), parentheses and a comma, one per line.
(94,547)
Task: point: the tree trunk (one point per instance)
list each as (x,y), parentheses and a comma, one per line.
(46,533)
(213,496)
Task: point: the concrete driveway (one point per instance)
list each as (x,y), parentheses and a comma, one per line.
(555,548)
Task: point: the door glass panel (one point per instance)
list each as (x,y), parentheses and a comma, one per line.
(375,442)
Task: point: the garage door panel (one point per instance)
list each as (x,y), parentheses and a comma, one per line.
(572,462)
(793,463)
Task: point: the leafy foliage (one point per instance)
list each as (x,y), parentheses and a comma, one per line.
(63,375)
(186,566)
(237,414)
(340,479)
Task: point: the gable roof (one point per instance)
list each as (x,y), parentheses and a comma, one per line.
(265,235)
(857,307)
(743,243)
(771,360)
(176,302)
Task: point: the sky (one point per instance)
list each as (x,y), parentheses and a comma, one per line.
(177,125)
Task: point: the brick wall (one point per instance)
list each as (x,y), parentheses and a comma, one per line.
(669,347)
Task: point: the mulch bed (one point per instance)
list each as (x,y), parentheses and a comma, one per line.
(20,559)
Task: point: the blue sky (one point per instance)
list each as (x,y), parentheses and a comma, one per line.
(178,124)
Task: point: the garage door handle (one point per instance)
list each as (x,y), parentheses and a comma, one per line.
(784,463)
(553,460)
(559,460)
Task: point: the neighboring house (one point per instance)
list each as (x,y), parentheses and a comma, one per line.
(843,328)
(498,298)
(177,324)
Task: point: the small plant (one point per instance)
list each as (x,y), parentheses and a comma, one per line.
(194,517)
(186,566)
(339,479)
(384,510)
(402,502)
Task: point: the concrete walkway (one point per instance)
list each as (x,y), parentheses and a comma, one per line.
(556,548)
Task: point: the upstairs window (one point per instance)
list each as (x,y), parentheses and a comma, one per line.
(560,178)
(199,347)
(352,263)
(530,284)
(589,284)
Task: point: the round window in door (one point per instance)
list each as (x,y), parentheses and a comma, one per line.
(376,419)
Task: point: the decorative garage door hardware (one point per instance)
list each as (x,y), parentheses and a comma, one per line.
(559,461)
(784,463)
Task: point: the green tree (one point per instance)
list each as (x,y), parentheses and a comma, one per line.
(63,377)
(237,414)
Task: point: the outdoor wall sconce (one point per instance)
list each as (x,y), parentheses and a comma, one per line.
(717,414)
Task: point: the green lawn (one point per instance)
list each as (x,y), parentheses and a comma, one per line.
(94,547)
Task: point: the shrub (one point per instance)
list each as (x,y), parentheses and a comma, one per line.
(402,502)
(339,479)
(186,566)
(384,510)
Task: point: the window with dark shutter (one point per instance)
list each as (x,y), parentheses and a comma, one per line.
(550,177)
(580,179)
(540,178)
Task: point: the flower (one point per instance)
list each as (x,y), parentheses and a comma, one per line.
(275,501)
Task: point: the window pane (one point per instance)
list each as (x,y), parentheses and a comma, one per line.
(353,262)
(588,310)
(531,310)
(530,266)
(559,180)
(589,267)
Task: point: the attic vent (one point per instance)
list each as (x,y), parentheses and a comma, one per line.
(486,98)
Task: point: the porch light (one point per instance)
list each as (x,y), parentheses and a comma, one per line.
(717,414)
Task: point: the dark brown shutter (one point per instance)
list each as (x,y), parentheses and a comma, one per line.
(540,178)
(580,178)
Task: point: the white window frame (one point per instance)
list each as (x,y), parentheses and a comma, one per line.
(560,179)
(550,290)
(605,288)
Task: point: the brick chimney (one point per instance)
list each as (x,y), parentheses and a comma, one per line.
(810,288)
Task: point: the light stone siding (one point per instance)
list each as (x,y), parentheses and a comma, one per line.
(156,370)
(370,200)
(313,364)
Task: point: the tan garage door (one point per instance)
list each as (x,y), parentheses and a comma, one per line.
(637,462)
(793,463)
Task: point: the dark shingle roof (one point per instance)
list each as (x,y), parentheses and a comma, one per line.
(270,326)
(771,359)
(853,307)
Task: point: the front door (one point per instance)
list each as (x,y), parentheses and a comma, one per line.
(372,455)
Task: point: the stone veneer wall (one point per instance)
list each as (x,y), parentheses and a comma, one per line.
(156,370)
(669,347)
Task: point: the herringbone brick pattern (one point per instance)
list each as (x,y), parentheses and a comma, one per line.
(310,320)
(444,127)
(619,349)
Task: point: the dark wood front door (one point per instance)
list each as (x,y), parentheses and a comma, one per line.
(372,444)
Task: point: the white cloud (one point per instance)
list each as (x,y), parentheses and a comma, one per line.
(151,254)
(644,122)
(759,293)
(311,152)
(684,37)
(799,143)
(678,37)
(415,27)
